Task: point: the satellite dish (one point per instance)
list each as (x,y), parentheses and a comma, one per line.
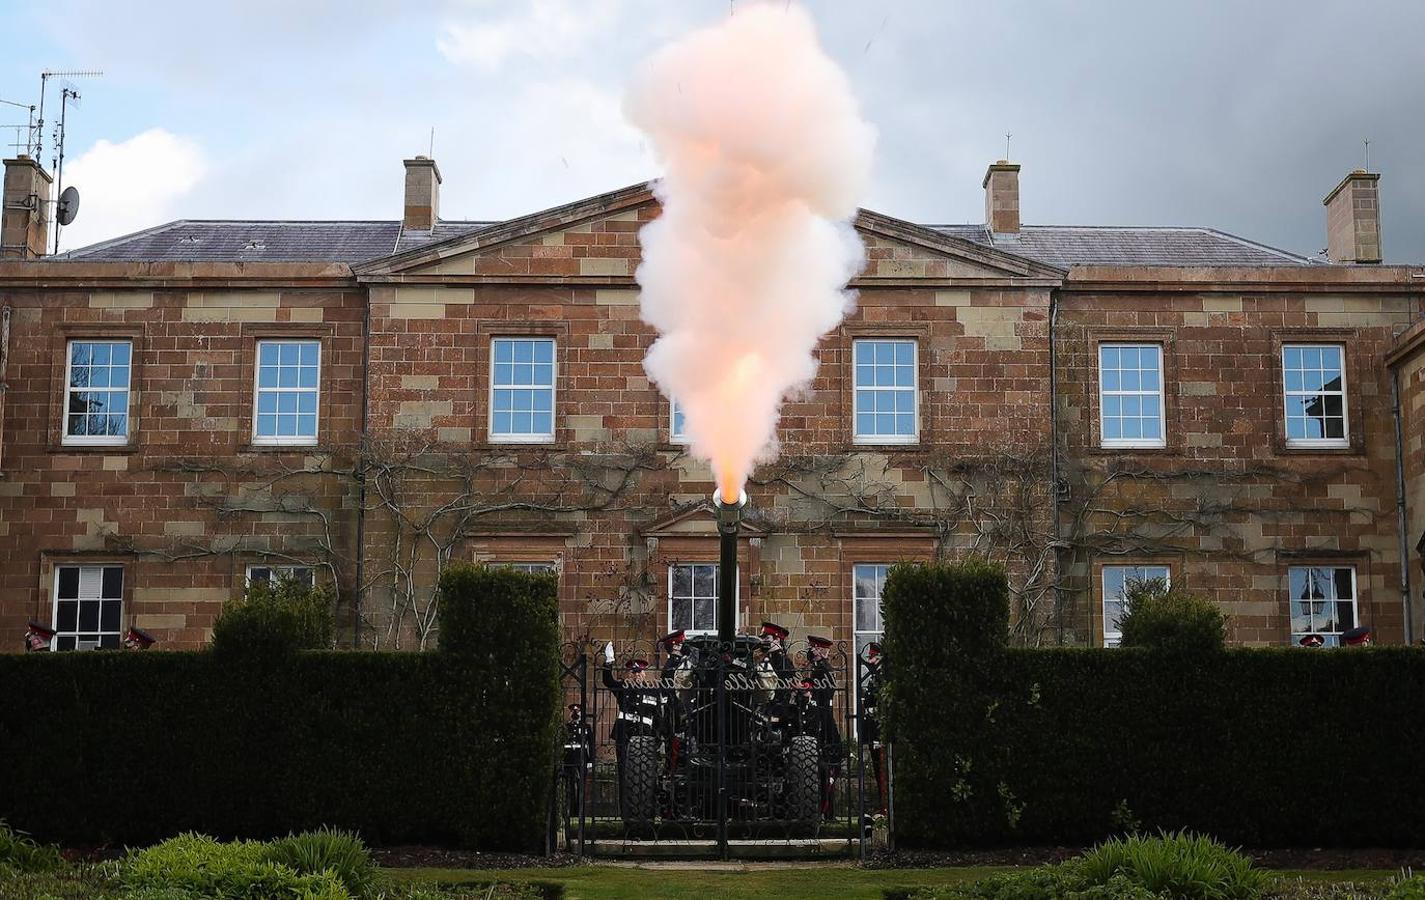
(68,206)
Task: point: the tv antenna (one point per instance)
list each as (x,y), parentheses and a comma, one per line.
(68,204)
(45,76)
(1367,142)
(23,146)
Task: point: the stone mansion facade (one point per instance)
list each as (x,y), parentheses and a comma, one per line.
(204,403)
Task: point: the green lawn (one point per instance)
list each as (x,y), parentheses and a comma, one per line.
(619,882)
(608,882)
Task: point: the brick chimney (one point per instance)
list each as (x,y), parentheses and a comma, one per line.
(24,225)
(1353,219)
(422,194)
(1001,186)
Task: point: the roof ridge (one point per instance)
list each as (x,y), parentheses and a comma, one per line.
(1265,247)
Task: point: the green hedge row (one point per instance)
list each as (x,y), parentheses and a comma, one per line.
(1263,747)
(444,747)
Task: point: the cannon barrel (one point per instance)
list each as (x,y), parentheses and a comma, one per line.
(729,525)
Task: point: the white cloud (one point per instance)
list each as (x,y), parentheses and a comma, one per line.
(131,185)
(540,29)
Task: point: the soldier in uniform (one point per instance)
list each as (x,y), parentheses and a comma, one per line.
(38,637)
(578,757)
(674,676)
(640,704)
(871,722)
(821,707)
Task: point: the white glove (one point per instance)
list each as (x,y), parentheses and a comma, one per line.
(609,653)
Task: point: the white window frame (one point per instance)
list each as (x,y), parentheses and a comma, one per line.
(736,600)
(856,600)
(1345,439)
(1332,638)
(914,388)
(1112,638)
(54,606)
(277,572)
(258,391)
(95,440)
(533,438)
(1160,393)
(674,435)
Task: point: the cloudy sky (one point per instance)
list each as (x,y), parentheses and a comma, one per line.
(1224,113)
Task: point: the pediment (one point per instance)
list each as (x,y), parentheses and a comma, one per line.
(596,240)
(695,520)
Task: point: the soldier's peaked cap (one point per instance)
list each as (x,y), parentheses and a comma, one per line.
(1357,636)
(818,641)
(637,665)
(41,629)
(774,630)
(673,638)
(1312,640)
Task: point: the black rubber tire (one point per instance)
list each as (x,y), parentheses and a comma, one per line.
(640,779)
(802,787)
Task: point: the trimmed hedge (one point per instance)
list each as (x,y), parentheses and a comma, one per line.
(133,747)
(1262,747)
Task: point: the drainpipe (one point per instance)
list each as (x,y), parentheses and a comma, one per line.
(1054,455)
(360,473)
(1401,523)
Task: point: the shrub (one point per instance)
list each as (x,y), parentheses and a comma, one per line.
(1179,865)
(272,618)
(1409,888)
(328,850)
(947,627)
(1172,621)
(479,604)
(1217,748)
(20,853)
(239,870)
(427,748)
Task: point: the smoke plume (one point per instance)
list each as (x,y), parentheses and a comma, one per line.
(766,158)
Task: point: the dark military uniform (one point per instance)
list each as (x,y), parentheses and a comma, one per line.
(641,712)
(821,717)
(578,758)
(871,721)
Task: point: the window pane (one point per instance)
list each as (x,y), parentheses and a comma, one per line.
(68,583)
(113,583)
(1130,394)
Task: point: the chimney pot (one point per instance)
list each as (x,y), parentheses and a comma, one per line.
(422,209)
(24,213)
(1353,219)
(1001,186)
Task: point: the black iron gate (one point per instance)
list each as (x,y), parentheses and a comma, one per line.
(719,749)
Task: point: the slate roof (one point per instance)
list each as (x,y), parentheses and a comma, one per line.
(215,240)
(1067,245)
(219,240)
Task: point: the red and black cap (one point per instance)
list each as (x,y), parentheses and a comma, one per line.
(674,639)
(636,665)
(138,639)
(37,636)
(873,650)
(1312,640)
(773,630)
(1356,637)
(823,643)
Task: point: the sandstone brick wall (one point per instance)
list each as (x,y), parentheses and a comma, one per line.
(1228,505)
(603,496)
(188,502)
(614,501)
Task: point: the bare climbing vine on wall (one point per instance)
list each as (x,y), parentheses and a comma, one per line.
(423,504)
